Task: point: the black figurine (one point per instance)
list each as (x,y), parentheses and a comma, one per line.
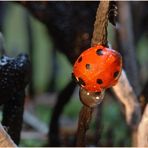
(14,76)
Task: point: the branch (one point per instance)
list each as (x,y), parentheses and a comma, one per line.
(83,124)
(123,89)
(126,95)
(142,135)
(99,37)
(5,140)
(100,26)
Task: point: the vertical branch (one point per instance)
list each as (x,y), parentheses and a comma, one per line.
(83,124)
(98,125)
(100,26)
(99,37)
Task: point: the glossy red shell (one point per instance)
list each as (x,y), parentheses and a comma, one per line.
(98,68)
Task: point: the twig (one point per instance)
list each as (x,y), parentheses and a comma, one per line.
(126,95)
(5,140)
(83,124)
(100,26)
(99,37)
(142,136)
(98,125)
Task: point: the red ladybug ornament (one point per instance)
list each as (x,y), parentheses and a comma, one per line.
(97,68)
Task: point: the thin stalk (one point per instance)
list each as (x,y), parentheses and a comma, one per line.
(83,124)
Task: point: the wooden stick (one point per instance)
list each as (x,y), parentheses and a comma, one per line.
(5,140)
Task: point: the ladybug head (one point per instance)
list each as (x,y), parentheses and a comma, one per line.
(97,68)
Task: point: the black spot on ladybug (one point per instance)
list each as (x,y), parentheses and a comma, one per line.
(99,52)
(116,74)
(73,77)
(87,66)
(81,82)
(80,59)
(99,81)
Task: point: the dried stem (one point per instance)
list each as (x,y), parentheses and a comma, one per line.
(83,124)
(126,95)
(99,37)
(5,140)
(100,26)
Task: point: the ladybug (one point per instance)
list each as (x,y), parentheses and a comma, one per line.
(97,68)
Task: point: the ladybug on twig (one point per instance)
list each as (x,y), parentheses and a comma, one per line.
(97,68)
